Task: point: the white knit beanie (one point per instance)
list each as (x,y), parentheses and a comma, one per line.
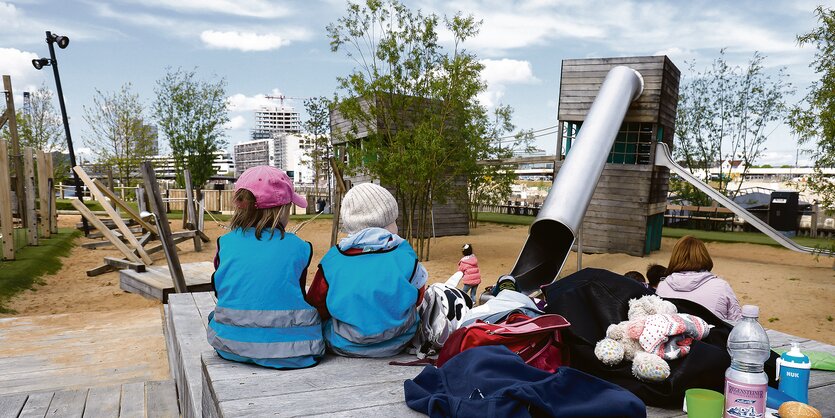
(367,205)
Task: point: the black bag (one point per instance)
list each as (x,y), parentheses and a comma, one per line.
(592,299)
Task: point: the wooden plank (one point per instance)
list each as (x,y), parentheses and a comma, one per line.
(11,405)
(397,409)
(53,210)
(103,402)
(114,215)
(67,404)
(30,196)
(133,401)
(105,232)
(43,194)
(37,405)
(124,264)
(169,248)
(188,329)
(97,271)
(161,399)
(6,221)
(125,207)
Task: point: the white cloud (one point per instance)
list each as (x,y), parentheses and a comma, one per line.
(507,71)
(249,8)
(236,122)
(18,65)
(244,41)
(242,103)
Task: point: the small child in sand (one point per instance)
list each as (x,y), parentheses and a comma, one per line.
(368,286)
(261,315)
(469,266)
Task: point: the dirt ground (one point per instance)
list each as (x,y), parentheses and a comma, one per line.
(795,292)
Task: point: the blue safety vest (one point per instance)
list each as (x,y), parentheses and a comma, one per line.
(371,301)
(261,315)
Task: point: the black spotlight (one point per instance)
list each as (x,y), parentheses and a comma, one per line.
(39,63)
(62,41)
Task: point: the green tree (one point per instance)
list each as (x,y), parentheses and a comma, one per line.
(417,100)
(41,128)
(191,114)
(814,118)
(118,133)
(726,113)
(318,127)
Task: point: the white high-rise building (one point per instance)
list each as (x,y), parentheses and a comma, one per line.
(270,119)
(283,150)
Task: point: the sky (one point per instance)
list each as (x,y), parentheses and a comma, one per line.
(264,47)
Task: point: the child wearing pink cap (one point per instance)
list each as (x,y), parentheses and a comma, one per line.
(261,316)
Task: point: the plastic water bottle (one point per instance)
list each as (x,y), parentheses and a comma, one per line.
(745,381)
(793,373)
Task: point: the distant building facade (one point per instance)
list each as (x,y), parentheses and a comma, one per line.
(277,141)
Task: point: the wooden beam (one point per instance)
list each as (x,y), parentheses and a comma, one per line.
(125,207)
(16,155)
(170,249)
(43,195)
(96,271)
(30,192)
(159,247)
(104,231)
(114,215)
(6,221)
(189,210)
(122,264)
(53,210)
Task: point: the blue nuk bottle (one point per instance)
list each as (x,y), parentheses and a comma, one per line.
(793,374)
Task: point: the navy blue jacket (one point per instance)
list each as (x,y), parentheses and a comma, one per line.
(492,381)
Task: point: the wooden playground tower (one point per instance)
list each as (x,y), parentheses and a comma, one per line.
(626,212)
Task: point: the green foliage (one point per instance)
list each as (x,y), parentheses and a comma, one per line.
(727,113)
(418,102)
(814,118)
(33,262)
(191,114)
(66,204)
(41,129)
(318,127)
(119,134)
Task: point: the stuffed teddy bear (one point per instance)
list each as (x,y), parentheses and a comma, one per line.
(654,333)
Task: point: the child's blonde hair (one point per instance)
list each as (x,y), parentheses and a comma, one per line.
(248,216)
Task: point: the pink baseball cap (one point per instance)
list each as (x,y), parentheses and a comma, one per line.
(270,186)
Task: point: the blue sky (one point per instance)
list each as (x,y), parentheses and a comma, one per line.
(280,47)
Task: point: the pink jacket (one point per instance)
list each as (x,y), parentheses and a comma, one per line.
(469,266)
(704,288)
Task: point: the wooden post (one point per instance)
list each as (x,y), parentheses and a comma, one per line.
(43,196)
(53,207)
(17,157)
(6,222)
(341,189)
(105,231)
(114,215)
(140,199)
(29,189)
(188,208)
(170,249)
(813,227)
(125,207)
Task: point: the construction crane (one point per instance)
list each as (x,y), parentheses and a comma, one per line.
(282,97)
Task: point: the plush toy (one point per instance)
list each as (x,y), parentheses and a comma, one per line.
(653,334)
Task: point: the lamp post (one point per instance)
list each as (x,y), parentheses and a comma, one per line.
(39,63)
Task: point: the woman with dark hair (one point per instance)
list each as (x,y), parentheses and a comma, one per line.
(688,277)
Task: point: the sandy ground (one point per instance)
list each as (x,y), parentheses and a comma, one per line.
(795,292)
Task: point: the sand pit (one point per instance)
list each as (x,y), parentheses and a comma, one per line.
(795,292)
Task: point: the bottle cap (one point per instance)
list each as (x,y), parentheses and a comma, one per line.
(751,311)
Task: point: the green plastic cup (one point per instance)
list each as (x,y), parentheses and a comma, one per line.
(704,403)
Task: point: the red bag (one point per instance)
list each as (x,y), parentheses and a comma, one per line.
(537,340)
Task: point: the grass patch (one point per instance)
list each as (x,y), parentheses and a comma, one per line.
(32,263)
(505,219)
(829,318)
(66,204)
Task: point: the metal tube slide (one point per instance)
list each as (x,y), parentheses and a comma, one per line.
(663,157)
(553,232)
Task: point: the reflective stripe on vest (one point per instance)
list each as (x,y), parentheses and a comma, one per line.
(257,318)
(353,335)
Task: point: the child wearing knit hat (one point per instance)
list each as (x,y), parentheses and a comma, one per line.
(368,286)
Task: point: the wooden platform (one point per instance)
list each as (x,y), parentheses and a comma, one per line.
(156,283)
(338,386)
(155,399)
(49,353)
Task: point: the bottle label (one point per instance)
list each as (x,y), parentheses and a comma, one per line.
(743,400)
